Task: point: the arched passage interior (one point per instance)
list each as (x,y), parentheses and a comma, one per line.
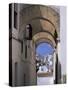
(44,56)
(44,26)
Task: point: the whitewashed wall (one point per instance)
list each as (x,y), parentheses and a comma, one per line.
(63,38)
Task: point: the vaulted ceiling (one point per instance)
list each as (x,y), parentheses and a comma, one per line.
(44,21)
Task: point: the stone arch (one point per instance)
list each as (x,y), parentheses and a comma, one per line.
(43,36)
(44,40)
(40,14)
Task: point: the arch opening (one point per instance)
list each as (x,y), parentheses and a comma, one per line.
(44,62)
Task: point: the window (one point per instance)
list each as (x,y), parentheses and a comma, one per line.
(10,16)
(15,19)
(22,47)
(24,79)
(16,73)
(25,51)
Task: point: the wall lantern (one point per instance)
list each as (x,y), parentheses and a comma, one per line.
(28,32)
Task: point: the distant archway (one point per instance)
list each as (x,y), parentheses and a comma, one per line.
(45,62)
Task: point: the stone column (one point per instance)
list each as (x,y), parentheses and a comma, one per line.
(33,76)
(57,65)
(54,61)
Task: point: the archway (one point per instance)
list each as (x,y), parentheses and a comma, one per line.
(32,41)
(44,40)
(45,62)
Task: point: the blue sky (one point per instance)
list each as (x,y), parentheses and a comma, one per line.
(44,49)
